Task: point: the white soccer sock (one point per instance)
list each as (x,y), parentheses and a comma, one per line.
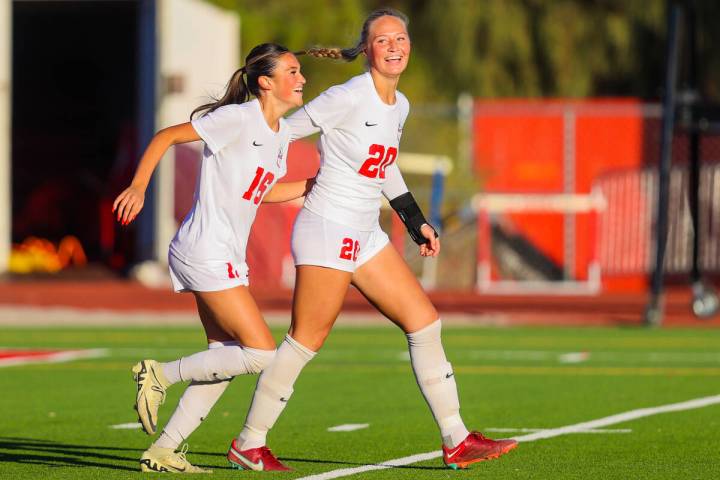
(272,392)
(193,408)
(221,363)
(171,370)
(436,380)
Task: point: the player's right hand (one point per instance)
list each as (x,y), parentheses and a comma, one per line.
(431,248)
(128,204)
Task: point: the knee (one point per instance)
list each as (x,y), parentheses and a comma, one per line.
(311,340)
(415,319)
(316,343)
(427,333)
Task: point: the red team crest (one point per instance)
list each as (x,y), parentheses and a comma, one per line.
(279,157)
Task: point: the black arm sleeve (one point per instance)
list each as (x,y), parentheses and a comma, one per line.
(409,212)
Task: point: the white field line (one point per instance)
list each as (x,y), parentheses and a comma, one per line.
(57,357)
(573,357)
(348,427)
(126,426)
(559,357)
(547,355)
(532,430)
(550,433)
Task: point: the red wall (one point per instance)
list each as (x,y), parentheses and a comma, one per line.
(519,146)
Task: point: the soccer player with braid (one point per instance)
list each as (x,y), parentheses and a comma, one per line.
(337,241)
(246,144)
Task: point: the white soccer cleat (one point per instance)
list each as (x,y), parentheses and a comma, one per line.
(151,386)
(162,460)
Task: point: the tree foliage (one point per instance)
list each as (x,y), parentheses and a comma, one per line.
(495,48)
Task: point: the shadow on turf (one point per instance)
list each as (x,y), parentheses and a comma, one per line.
(328,462)
(55,454)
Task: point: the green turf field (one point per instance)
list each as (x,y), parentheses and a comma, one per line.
(56,418)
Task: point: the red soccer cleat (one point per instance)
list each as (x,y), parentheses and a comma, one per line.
(258,459)
(476,448)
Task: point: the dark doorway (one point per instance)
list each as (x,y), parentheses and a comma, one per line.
(74,121)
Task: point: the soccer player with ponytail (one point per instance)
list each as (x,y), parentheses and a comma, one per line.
(337,241)
(246,144)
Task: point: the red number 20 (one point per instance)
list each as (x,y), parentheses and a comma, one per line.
(375,166)
(350,249)
(260,185)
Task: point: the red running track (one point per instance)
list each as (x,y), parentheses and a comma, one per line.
(122,295)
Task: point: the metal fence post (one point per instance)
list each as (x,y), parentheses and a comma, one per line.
(654,309)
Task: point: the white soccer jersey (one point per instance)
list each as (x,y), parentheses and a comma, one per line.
(358,148)
(242,160)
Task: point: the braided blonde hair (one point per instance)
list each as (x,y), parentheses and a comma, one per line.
(322,52)
(351,53)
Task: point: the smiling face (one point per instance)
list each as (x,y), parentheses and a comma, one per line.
(287,82)
(388,46)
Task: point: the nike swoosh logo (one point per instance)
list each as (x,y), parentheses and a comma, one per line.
(367,124)
(448,375)
(283,399)
(258,467)
(452,454)
(257,144)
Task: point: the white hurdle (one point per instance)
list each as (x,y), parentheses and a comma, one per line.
(489,204)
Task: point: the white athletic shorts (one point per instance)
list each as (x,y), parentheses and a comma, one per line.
(322,242)
(205,277)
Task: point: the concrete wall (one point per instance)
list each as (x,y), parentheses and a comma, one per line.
(198,51)
(5,112)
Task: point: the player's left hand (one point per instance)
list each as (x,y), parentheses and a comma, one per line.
(431,248)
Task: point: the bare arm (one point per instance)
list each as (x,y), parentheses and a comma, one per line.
(284,192)
(129,203)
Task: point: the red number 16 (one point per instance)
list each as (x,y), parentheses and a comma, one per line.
(260,185)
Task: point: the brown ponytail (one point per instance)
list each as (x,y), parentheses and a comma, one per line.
(261,61)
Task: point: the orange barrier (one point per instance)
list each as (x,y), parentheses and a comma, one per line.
(40,255)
